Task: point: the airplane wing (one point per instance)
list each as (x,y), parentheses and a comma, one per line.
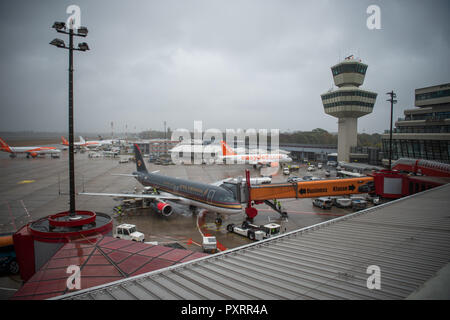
(124,174)
(133,195)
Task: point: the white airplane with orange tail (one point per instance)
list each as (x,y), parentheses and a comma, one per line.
(88,144)
(271,159)
(81,143)
(29,151)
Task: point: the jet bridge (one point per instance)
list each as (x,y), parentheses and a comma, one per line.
(247,192)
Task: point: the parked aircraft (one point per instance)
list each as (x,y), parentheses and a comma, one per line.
(81,143)
(89,144)
(193,194)
(29,151)
(254,159)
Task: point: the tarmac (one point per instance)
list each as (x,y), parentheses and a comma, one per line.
(34,188)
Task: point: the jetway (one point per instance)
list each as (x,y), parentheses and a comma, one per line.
(302,189)
(312,189)
(245,192)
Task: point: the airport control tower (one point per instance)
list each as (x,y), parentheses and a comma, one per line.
(348,102)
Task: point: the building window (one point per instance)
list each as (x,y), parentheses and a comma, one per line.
(433,95)
(349,68)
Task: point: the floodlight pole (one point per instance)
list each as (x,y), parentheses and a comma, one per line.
(71,151)
(392,100)
(82,32)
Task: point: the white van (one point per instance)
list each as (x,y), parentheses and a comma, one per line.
(323,202)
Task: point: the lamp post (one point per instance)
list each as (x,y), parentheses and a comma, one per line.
(393,101)
(81,32)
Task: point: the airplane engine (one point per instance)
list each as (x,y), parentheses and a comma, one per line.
(163,208)
(33,154)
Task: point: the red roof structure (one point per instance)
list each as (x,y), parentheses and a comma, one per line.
(101,261)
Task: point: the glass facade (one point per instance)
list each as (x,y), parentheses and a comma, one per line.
(438,150)
(433,95)
(349,68)
(429,116)
(349,94)
(348,103)
(423,129)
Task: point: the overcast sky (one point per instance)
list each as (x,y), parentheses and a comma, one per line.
(231,64)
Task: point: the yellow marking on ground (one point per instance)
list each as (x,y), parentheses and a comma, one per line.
(26,181)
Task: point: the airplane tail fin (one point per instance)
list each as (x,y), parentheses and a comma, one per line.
(64,141)
(82,140)
(4,146)
(226,150)
(140,164)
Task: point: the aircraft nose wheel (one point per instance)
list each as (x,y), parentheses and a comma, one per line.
(218,221)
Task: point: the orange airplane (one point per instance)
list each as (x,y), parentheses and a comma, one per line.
(29,151)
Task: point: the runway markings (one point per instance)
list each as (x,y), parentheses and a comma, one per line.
(26,181)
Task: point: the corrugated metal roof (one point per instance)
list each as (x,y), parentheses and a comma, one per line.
(408,239)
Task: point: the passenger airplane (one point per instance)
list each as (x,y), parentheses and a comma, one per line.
(255,159)
(81,143)
(88,144)
(30,151)
(193,194)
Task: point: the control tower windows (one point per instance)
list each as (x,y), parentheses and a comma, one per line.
(349,68)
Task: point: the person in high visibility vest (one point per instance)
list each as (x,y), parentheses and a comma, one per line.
(118,210)
(279,205)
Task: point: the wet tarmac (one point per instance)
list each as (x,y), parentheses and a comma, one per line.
(34,188)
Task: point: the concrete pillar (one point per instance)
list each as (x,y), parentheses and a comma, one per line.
(347,137)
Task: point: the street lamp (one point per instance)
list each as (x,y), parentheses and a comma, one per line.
(81,32)
(393,101)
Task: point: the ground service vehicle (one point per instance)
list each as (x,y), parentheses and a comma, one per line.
(324,203)
(359,205)
(343,202)
(128,232)
(8,262)
(255,232)
(332,163)
(209,244)
(286,171)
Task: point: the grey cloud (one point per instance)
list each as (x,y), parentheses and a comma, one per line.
(260,64)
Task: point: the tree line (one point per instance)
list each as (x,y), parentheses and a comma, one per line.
(317,136)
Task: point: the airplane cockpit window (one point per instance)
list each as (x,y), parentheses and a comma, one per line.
(230,187)
(226,196)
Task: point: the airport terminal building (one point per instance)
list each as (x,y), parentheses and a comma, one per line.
(424,132)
